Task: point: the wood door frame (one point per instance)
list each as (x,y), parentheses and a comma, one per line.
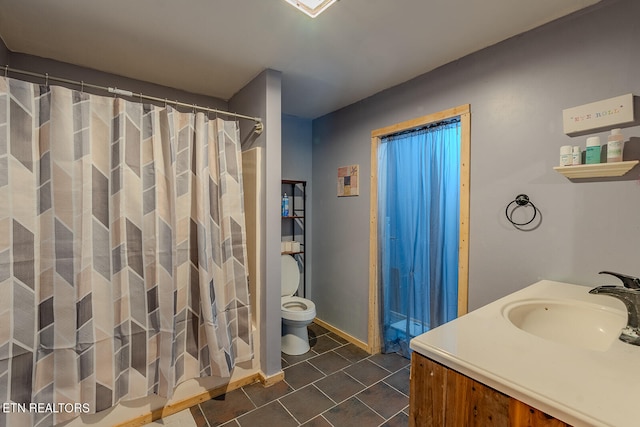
(464,112)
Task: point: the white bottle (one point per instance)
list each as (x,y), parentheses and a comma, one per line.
(565,155)
(615,145)
(576,155)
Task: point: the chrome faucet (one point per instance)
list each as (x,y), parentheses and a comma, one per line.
(627,281)
(629,294)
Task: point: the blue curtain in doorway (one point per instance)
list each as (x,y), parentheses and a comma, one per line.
(419,205)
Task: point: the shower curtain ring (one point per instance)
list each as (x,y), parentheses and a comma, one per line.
(46,79)
(82,86)
(6,70)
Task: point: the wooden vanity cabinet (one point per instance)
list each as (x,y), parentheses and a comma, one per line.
(442,397)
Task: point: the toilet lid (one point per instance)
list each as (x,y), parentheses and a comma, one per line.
(290,276)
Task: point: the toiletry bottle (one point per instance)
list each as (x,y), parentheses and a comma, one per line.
(615,145)
(285,205)
(576,156)
(565,155)
(593,150)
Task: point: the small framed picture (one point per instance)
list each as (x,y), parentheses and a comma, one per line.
(348,184)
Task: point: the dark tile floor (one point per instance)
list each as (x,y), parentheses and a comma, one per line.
(335,384)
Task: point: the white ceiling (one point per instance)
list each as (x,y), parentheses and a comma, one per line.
(215,47)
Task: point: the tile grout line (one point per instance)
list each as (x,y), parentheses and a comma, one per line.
(308,385)
(357,380)
(250,400)
(325,394)
(373,410)
(356,397)
(256,407)
(265,404)
(203,416)
(369,386)
(316,354)
(384,420)
(288,412)
(326,375)
(391,417)
(313,383)
(321,415)
(320,354)
(399,391)
(366,387)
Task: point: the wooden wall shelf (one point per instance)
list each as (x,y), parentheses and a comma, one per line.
(599,170)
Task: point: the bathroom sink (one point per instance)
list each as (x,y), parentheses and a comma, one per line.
(576,323)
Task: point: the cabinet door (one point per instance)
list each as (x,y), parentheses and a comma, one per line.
(441,397)
(426,392)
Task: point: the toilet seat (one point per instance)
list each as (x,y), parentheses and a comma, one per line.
(297,309)
(294,308)
(296,312)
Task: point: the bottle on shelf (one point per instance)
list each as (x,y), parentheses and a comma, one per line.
(565,155)
(285,205)
(593,150)
(615,145)
(576,156)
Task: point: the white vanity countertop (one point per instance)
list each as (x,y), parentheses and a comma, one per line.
(578,386)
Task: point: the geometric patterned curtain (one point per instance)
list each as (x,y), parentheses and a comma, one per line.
(122,252)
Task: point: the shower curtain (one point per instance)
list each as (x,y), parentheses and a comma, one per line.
(419,211)
(122,251)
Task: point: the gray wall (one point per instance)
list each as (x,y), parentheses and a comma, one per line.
(4,53)
(517,91)
(297,165)
(296,148)
(262,98)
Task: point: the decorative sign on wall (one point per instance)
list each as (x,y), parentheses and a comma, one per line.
(348,181)
(598,115)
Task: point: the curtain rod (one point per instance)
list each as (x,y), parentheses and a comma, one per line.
(123,92)
(427,126)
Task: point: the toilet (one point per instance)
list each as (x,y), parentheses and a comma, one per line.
(297,312)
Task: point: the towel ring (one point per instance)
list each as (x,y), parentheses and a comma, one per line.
(521,200)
